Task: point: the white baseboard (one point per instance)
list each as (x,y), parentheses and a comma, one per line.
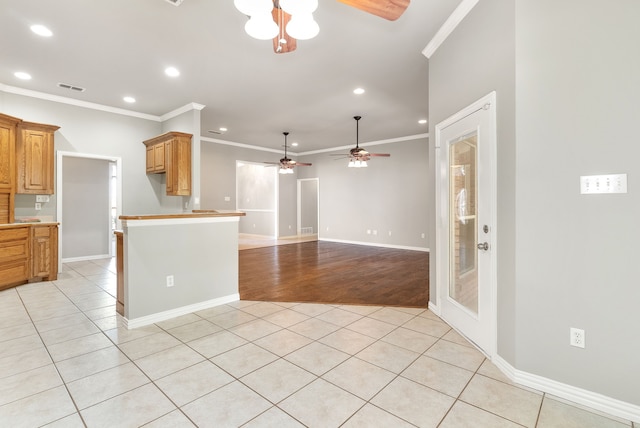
(85,258)
(184,310)
(434,308)
(375,244)
(571,393)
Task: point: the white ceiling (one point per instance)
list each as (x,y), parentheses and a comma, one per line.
(115,48)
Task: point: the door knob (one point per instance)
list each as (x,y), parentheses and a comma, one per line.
(483,246)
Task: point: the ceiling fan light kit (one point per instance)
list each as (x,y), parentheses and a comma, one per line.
(358,156)
(286,164)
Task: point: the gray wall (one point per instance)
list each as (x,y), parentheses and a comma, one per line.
(578,86)
(564,259)
(201,271)
(85,208)
(96,132)
(218,166)
(386,196)
(479,57)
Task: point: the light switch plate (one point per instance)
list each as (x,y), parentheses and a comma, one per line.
(611,183)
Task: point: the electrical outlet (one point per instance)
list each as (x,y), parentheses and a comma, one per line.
(38,206)
(375,232)
(170,281)
(368,231)
(227,198)
(576,337)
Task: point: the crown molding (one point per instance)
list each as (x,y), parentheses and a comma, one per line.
(77,103)
(370,143)
(244,146)
(181,110)
(449,25)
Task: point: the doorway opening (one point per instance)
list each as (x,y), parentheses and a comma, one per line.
(308,207)
(257,197)
(89,203)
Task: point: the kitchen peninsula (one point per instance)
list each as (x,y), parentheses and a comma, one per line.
(175,264)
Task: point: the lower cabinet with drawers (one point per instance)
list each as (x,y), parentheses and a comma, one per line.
(28,252)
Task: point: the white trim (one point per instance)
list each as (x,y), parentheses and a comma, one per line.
(449,25)
(181,110)
(488,102)
(129,223)
(375,244)
(574,394)
(434,308)
(77,103)
(59,189)
(370,143)
(245,146)
(183,310)
(85,258)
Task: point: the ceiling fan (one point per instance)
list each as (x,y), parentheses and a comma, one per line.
(303,27)
(358,156)
(286,164)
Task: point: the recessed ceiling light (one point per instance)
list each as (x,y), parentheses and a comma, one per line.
(41,30)
(358,91)
(422,121)
(172,72)
(129,100)
(223,129)
(294,144)
(22,75)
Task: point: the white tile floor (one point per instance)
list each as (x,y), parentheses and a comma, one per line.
(66,361)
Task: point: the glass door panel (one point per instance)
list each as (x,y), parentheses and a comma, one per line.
(463,231)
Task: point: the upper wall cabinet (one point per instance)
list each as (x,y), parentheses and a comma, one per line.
(170,154)
(35,158)
(8,126)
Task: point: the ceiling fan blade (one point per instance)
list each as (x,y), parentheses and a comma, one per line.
(386,155)
(303,164)
(282,18)
(339,154)
(387,9)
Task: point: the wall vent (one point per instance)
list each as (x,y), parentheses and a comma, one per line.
(71,87)
(175,2)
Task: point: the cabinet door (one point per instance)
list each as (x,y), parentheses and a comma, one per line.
(179,168)
(170,166)
(150,159)
(40,251)
(7,151)
(159,157)
(35,162)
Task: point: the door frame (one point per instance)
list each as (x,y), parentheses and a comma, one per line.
(488,102)
(299,203)
(60,155)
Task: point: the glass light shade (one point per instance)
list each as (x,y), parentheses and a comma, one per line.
(363,164)
(262,27)
(303,27)
(253,7)
(282,171)
(295,7)
(352,164)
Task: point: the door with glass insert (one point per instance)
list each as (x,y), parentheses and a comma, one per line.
(466,251)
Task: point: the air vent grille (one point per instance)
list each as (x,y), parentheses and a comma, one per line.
(71,87)
(175,2)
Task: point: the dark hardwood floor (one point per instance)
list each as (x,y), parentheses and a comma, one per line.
(328,272)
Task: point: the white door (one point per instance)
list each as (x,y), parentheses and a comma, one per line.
(466,247)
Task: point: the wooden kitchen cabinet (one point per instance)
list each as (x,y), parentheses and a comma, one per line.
(14,256)
(28,252)
(8,129)
(170,154)
(35,158)
(44,252)
(156,159)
